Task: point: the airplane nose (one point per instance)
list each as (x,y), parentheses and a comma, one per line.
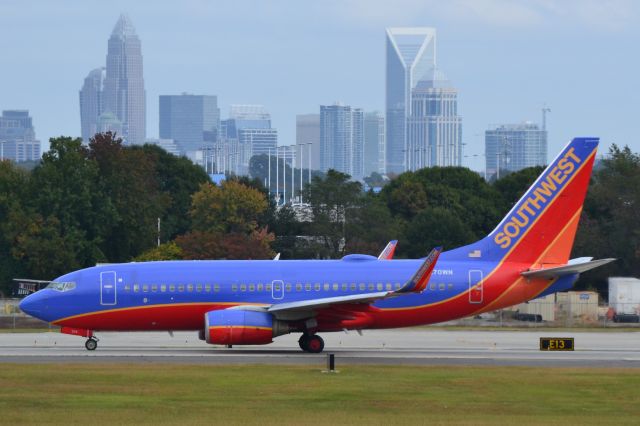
(32,305)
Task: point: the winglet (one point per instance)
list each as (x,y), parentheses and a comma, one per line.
(419,281)
(387,253)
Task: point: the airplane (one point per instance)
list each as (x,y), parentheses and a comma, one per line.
(250,302)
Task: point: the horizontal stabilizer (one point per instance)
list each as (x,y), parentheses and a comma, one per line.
(571,268)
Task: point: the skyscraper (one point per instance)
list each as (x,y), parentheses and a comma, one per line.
(434,128)
(91,102)
(512,147)
(342,139)
(411,54)
(124,93)
(17,137)
(189,120)
(308,140)
(374,146)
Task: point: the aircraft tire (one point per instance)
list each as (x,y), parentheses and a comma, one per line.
(314,344)
(302,342)
(91,344)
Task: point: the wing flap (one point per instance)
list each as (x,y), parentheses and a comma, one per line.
(569,269)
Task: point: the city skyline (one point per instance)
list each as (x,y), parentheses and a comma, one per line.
(507,60)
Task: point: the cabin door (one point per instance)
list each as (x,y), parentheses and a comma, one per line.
(277,289)
(108,288)
(476,286)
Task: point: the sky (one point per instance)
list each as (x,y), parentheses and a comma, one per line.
(506,58)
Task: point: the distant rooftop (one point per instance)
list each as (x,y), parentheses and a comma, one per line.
(249,112)
(124,28)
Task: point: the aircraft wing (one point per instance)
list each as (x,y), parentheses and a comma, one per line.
(573,267)
(416,284)
(387,253)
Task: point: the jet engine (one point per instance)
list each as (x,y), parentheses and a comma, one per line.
(238,327)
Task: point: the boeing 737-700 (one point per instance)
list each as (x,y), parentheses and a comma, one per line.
(235,302)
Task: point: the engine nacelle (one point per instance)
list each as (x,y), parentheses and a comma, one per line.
(238,327)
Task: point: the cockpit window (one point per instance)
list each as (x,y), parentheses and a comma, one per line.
(61,286)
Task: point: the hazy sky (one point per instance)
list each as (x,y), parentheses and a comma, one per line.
(507,58)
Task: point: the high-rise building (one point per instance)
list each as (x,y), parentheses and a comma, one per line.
(190,120)
(434,128)
(512,147)
(411,54)
(91,103)
(374,146)
(168,145)
(342,139)
(124,93)
(308,140)
(17,137)
(246,133)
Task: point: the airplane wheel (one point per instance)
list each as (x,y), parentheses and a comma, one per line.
(304,339)
(91,344)
(315,344)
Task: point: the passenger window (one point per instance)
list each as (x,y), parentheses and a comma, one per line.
(307,286)
(287,286)
(363,286)
(353,286)
(380,286)
(216,287)
(127,287)
(389,287)
(163,287)
(317,286)
(441,286)
(136,288)
(199,288)
(326,287)
(450,286)
(234,287)
(298,286)
(267,287)
(172,288)
(344,286)
(145,288)
(336,286)
(243,287)
(190,288)
(252,287)
(398,285)
(260,288)
(154,288)
(371,286)
(181,288)
(433,286)
(207,288)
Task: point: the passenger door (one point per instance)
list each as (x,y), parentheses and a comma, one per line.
(476,286)
(108,294)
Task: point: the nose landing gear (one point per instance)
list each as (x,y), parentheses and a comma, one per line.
(311,343)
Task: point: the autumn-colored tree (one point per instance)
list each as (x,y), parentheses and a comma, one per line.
(166,251)
(231,207)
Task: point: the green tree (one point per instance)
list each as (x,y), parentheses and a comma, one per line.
(332,200)
(609,226)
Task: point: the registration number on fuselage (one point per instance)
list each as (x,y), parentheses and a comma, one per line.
(556,344)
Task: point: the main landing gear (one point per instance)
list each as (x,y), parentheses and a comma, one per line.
(91,344)
(311,343)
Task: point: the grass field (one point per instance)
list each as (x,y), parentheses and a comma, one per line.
(160,394)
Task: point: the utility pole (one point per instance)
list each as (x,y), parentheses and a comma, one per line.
(158,232)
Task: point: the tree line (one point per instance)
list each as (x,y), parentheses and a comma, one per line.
(101,202)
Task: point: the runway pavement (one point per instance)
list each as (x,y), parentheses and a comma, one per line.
(406,346)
